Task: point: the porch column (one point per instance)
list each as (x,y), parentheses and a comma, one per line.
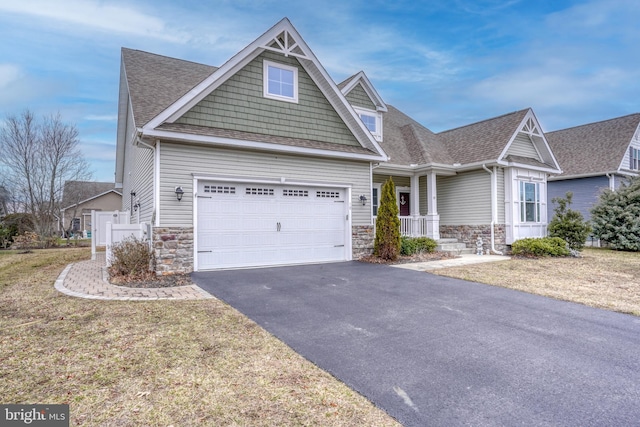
(433,219)
(415,206)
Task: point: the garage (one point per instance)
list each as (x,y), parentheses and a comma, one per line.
(263,224)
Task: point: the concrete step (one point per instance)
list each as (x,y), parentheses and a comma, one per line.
(453,247)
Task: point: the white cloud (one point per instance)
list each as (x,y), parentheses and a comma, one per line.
(9,73)
(98,15)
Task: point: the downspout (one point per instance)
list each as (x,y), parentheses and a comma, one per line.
(494,205)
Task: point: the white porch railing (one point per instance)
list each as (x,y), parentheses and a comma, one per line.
(419,226)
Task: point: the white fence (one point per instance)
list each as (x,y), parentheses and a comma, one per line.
(116,233)
(99,221)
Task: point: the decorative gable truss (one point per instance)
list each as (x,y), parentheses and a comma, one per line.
(282,39)
(366,101)
(528,147)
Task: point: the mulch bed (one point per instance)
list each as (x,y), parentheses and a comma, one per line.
(152,281)
(405,259)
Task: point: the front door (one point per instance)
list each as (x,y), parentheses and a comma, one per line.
(403,202)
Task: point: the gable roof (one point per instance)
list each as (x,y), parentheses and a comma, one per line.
(155,112)
(77,192)
(595,148)
(361,78)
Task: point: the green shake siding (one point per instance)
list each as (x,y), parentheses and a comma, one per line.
(359,98)
(239,104)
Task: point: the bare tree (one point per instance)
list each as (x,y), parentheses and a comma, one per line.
(39,157)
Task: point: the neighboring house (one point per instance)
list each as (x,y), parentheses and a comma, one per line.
(266,161)
(594,157)
(79,198)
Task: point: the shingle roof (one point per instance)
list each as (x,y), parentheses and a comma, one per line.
(595,147)
(78,191)
(407,142)
(483,140)
(156,81)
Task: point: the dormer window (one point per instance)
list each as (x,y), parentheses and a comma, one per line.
(372,121)
(280,81)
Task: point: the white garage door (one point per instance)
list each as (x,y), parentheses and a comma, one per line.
(250,225)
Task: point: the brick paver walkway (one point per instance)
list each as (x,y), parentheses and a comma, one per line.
(87,279)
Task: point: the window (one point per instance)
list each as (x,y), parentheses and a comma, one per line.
(280,81)
(375,198)
(635,158)
(369,121)
(372,120)
(529,201)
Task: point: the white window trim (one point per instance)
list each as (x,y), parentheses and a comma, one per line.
(378,116)
(537,203)
(265,81)
(378,188)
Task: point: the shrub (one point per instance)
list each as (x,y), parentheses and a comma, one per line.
(568,224)
(616,217)
(413,245)
(387,241)
(132,258)
(18,223)
(540,247)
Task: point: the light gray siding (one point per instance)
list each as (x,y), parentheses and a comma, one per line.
(179,163)
(239,104)
(522,146)
(359,98)
(585,193)
(501,195)
(138,177)
(398,181)
(465,199)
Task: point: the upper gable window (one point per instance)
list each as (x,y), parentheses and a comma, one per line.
(372,121)
(280,81)
(635,158)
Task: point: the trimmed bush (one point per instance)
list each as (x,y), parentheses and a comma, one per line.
(568,224)
(416,245)
(132,258)
(540,247)
(387,242)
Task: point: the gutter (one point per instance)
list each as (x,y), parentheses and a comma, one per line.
(494,205)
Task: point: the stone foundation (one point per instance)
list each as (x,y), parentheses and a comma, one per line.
(468,234)
(362,237)
(173,248)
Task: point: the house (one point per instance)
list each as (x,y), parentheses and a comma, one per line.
(266,161)
(594,157)
(79,198)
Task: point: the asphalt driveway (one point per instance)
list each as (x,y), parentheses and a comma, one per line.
(435,351)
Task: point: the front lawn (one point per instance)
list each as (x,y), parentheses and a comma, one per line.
(155,363)
(602,278)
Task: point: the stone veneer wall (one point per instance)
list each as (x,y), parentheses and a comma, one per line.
(173,248)
(468,234)
(362,237)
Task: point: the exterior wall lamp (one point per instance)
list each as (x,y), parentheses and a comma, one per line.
(363,199)
(179,193)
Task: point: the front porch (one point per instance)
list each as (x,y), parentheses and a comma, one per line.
(418,226)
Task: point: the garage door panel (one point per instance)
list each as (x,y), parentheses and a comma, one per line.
(259,225)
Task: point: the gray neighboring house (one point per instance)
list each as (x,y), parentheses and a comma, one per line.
(79,198)
(594,157)
(266,161)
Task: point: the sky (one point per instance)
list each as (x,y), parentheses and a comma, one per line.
(446,63)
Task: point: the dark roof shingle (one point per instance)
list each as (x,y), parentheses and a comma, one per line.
(593,148)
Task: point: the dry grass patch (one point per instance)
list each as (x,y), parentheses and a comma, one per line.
(155,363)
(601,278)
